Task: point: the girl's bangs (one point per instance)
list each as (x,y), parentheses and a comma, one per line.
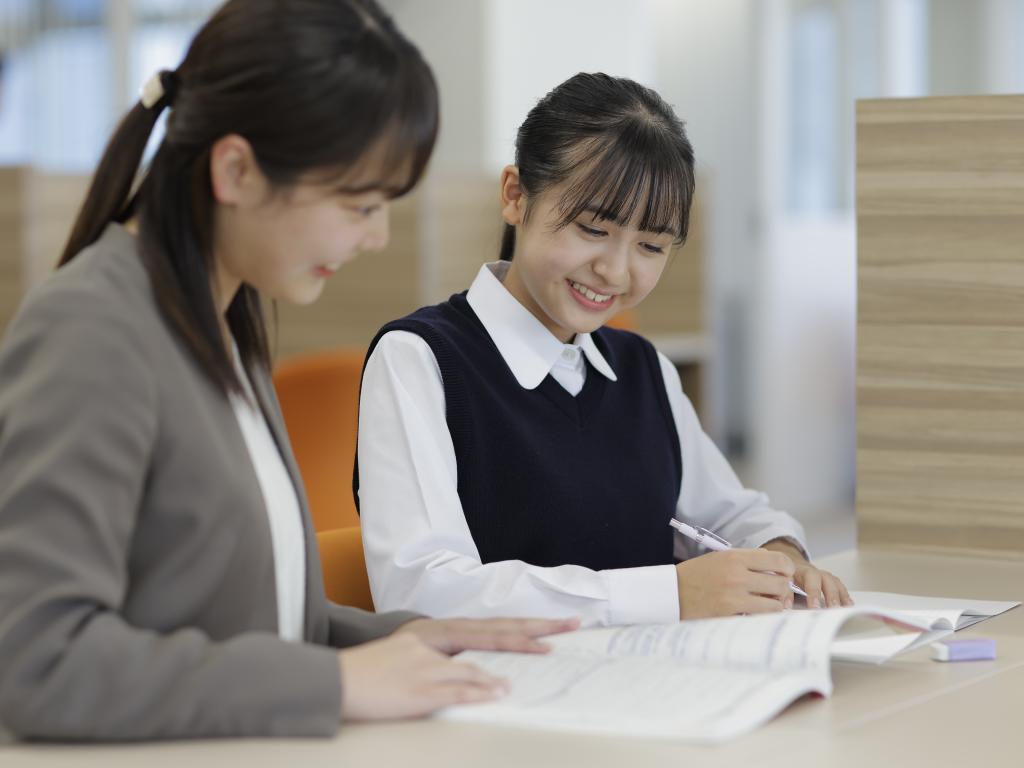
(410,136)
(636,172)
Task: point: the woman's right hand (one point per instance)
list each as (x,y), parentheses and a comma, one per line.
(734,581)
(402,677)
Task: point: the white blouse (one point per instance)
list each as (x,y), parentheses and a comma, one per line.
(420,554)
(282,502)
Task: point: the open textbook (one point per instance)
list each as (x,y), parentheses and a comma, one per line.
(942,615)
(705,681)
(957,612)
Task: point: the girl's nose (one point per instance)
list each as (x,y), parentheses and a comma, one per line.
(613,266)
(378,232)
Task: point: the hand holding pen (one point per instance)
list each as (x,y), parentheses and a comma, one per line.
(714,542)
(730,581)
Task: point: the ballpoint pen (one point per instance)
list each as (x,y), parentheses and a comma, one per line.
(706,538)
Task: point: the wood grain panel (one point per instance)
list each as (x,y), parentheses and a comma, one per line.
(36,212)
(52,202)
(676,305)
(12,241)
(940,353)
(466,227)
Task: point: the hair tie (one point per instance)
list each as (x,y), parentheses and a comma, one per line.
(162,85)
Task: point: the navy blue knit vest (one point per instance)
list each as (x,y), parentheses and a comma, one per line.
(546,477)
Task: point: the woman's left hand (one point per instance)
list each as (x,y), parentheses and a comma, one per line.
(823,588)
(520,635)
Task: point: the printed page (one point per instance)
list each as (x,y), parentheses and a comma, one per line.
(635,695)
(705,680)
(774,641)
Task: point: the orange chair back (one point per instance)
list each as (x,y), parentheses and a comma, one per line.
(344,567)
(319,397)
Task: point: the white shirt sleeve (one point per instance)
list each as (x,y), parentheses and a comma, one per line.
(420,554)
(711,495)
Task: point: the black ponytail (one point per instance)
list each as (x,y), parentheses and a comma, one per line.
(112,181)
(313,86)
(617,146)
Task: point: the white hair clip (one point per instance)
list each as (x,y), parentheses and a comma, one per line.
(152,91)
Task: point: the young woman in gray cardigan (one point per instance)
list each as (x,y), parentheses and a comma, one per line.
(160,572)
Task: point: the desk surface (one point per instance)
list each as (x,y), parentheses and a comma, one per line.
(909,712)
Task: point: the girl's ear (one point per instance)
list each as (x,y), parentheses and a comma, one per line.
(513,201)
(235,176)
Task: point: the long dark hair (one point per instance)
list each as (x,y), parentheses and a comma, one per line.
(313,86)
(617,144)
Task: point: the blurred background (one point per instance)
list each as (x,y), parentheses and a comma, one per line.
(757,310)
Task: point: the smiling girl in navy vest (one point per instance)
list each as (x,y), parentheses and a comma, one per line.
(516,457)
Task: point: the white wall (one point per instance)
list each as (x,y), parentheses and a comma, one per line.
(452,35)
(536,44)
(803,344)
(705,69)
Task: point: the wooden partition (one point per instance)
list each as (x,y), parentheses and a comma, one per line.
(12,242)
(940,354)
(52,201)
(36,212)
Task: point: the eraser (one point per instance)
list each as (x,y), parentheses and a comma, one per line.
(966,649)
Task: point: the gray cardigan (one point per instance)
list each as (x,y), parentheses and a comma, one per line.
(137,593)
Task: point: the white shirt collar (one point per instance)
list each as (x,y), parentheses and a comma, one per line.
(528,348)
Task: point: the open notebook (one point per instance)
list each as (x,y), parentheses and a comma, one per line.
(703,681)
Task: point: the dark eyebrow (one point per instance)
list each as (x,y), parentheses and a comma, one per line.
(605,215)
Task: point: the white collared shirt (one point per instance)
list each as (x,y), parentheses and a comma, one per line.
(287,535)
(420,554)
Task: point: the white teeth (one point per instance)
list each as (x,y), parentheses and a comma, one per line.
(600,298)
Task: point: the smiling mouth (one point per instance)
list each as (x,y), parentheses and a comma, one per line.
(592,296)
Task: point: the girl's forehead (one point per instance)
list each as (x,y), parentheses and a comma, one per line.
(646,189)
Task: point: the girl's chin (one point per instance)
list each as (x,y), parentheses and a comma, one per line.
(298,296)
(576,326)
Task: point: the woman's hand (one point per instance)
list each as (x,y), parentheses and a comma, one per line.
(453,635)
(823,588)
(409,673)
(401,676)
(734,581)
